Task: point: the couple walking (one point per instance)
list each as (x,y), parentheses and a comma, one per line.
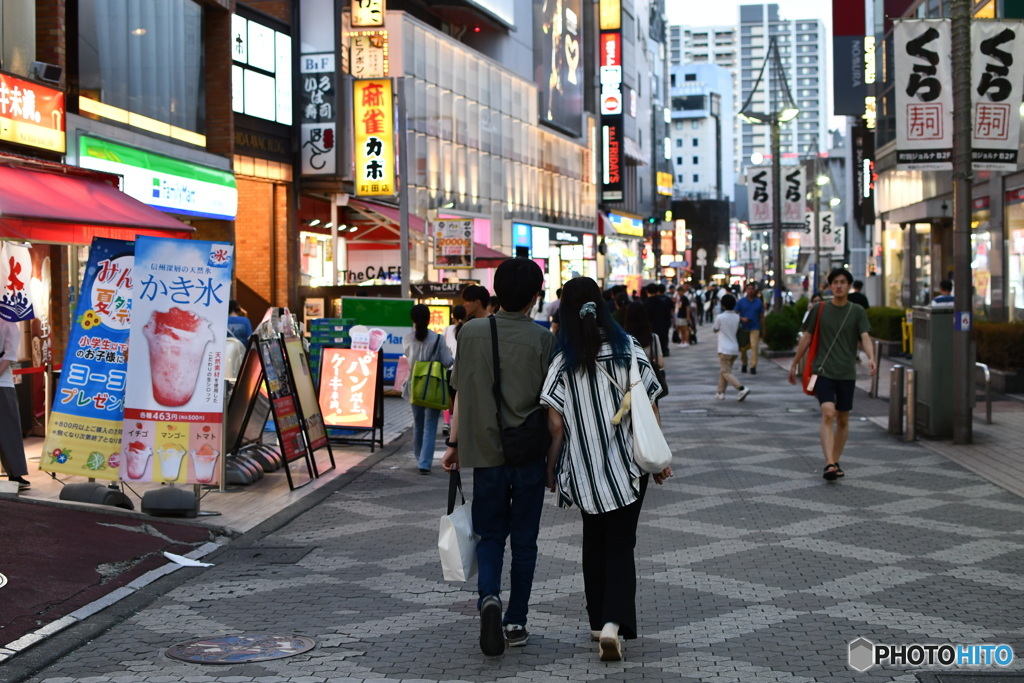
(589,462)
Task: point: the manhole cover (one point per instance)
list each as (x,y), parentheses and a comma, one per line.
(247,647)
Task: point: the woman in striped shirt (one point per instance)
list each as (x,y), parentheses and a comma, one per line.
(591,460)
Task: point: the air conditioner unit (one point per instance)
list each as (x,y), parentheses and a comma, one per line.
(47,73)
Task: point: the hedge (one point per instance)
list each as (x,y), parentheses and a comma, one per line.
(1000,345)
(781,328)
(886,322)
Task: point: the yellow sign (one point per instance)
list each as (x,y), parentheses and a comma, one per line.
(665,183)
(368,12)
(611,15)
(374,123)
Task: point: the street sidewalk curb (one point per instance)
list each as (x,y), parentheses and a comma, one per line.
(143,588)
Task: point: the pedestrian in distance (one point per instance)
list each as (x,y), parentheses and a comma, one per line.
(945,296)
(751,311)
(590,462)
(427,345)
(239,325)
(551,310)
(843,325)
(476,299)
(451,337)
(682,318)
(12,446)
(858,297)
(493,305)
(507,499)
(659,313)
(726,324)
(638,326)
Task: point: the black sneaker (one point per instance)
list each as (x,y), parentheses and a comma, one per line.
(516,635)
(492,640)
(23,483)
(743,369)
(753,371)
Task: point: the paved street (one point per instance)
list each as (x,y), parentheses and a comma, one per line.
(752,567)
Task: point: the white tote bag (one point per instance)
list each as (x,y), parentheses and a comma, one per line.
(456,541)
(650,449)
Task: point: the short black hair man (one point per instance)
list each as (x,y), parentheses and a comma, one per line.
(843,324)
(507,500)
(945,297)
(476,298)
(857,297)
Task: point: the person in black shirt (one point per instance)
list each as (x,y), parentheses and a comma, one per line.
(856,297)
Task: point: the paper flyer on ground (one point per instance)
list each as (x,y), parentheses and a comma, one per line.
(84,430)
(174,404)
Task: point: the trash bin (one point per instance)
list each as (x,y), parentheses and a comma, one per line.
(933,368)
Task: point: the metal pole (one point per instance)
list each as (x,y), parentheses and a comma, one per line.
(403,187)
(963,366)
(334,238)
(896,400)
(911,433)
(817,223)
(876,345)
(776,213)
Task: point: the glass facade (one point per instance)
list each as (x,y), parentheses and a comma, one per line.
(17,36)
(474,139)
(145,58)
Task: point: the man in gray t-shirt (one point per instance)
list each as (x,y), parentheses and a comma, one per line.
(507,501)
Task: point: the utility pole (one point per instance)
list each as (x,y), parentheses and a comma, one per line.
(963,363)
(777,267)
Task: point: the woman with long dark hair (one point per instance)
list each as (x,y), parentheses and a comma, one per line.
(590,462)
(423,344)
(638,325)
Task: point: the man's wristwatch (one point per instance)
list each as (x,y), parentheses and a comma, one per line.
(451,444)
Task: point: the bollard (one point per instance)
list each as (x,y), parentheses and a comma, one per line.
(911,433)
(896,400)
(988,391)
(876,345)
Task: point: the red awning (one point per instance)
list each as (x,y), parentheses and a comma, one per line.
(485,257)
(377,226)
(73,207)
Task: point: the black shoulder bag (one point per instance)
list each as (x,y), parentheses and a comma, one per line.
(528,442)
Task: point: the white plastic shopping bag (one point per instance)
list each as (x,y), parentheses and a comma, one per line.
(456,541)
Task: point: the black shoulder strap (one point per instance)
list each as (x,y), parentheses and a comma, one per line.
(454,486)
(496,385)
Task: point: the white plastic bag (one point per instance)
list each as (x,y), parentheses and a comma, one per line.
(456,541)
(650,449)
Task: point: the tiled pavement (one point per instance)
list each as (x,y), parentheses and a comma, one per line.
(752,567)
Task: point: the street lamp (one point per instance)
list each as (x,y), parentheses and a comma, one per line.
(783,109)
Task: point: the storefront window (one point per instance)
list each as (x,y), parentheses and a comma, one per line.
(893,256)
(922,272)
(145,58)
(1015,281)
(18,35)
(981,274)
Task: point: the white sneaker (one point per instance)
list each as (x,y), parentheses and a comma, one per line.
(719,397)
(743,394)
(609,646)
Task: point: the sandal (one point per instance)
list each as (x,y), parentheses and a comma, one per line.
(839,471)
(831,472)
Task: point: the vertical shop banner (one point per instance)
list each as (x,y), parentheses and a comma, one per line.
(557,63)
(997,80)
(453,243)
(15,271)
(305,393)
(759,195)
(373,122)
(367,13)
(174,405)
(317,89)
(832,235)
(794,193)
(348,387)
(924,94)
(84,430)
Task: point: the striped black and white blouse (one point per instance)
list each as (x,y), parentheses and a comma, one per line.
(595,469)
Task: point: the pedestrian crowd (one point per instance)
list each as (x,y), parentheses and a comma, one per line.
(539,397)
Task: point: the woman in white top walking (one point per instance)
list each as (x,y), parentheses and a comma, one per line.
(423,344)
(591,460)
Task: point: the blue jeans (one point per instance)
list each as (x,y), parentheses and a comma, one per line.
(424,434)
(508,501)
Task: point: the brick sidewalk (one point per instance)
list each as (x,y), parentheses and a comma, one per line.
(752,567)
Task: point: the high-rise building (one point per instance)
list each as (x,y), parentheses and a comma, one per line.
(702,131)
(801,47)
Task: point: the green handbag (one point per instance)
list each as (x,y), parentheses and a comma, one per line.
(429,382)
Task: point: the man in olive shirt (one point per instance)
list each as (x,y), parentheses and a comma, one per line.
(506,500)
(843,324)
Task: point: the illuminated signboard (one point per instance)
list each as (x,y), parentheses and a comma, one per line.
(31,114)
(369,54)
(368,12)
(373,121)
(261,76)
(665,183)
(348,387)
(625,225)
(558,63)
(611,73)
(610,63)
(611,156)
(611,15)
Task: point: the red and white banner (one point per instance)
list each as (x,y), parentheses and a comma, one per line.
(997,79)
(924,94)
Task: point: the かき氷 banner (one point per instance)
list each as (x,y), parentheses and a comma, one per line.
(84,431)
(174,405)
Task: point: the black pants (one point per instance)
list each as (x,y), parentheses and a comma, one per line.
(609,570)
(663,338)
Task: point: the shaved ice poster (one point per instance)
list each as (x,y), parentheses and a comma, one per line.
(174,403)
